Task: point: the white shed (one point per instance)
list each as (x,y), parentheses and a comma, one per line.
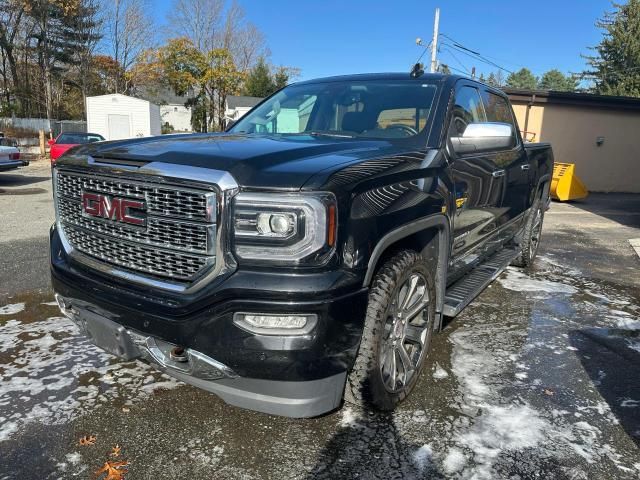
(118,116)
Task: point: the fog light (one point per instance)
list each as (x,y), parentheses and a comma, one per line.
(274,324)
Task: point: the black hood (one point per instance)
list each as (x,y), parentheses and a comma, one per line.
(260,161)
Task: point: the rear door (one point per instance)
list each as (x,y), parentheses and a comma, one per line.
(512,161)
(478,185)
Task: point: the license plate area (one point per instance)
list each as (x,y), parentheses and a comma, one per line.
(109,335)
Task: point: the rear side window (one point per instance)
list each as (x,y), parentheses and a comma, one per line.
(497,108)
(467,108)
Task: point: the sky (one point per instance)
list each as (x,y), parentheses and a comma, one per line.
(333,37)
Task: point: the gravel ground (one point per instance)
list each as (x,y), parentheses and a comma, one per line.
(535,379)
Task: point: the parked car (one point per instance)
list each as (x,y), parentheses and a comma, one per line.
(10,154)
(310,252)
(65,141)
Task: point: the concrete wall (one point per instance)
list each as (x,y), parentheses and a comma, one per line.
(178,116)
(144,117)
(573,131)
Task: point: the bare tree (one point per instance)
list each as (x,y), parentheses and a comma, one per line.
(130,31)
(211,24)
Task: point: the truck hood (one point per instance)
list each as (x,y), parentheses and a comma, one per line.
(255,161)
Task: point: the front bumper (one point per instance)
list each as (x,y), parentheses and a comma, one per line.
(292,399)
(297,376)
(4,166)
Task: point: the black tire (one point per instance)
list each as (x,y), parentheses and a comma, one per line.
(530,236)
(389,327)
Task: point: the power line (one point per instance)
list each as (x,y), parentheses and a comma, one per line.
(458,60)
(473,53)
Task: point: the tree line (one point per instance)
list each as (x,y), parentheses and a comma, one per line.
(55,53)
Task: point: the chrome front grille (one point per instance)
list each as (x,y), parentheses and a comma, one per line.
(160,199)
(177,241)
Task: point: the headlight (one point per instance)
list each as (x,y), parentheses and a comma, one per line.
(296,228)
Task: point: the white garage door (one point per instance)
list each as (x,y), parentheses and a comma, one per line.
(119,127)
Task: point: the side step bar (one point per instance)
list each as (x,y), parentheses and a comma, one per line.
(461,293)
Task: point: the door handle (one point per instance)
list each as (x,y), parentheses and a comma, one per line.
(526,166)
(498,173)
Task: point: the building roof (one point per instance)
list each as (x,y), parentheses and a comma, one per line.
(161,96)
(572,98)
(240,101)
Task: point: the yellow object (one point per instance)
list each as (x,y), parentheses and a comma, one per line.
(565,185)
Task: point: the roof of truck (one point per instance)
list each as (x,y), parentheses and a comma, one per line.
(381,76)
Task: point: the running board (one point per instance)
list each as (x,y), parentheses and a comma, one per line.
(461,293)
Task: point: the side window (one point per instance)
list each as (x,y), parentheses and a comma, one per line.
(467,108)
(498,110)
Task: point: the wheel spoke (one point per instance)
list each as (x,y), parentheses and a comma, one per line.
(407,365)
(418,308)
(411,290)
(392,370)
(414,334)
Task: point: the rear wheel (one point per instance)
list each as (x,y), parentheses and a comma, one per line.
(531,236)
(397,333)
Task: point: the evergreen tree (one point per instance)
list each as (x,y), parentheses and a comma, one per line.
(281,78)
(556,80)
(482,79)
(523,78)
(259,82)
(615,70)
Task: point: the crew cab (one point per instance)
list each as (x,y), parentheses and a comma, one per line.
(10,155)
(307,255)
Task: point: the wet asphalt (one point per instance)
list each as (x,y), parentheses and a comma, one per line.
(537,378)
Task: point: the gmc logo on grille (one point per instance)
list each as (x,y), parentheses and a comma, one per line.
(113,208)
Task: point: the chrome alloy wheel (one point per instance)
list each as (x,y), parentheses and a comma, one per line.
(536,232)
(406,330)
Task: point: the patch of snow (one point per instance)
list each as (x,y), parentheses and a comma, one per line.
(12,309)
(422,457)
(349,417)
(454,461)
(439,372)
(73,458)
(521,282)
(56,374)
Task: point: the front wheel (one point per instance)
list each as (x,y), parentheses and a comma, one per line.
(397,333)
(530,236)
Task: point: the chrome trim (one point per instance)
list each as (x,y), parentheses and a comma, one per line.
(162,173)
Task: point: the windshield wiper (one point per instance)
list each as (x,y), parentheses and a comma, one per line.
(330,134)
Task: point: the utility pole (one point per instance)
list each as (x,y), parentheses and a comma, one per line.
(434,43)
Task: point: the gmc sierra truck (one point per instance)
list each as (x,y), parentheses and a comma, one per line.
(309,253)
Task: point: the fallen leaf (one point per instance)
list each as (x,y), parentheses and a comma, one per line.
(115,451)
(549,392)
(126,409)
(113,470)
(88,440)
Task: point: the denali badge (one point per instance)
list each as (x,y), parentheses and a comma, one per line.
(112,208)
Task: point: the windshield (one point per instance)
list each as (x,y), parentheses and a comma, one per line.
(374,109)
(79,138)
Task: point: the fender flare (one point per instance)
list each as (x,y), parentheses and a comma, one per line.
(437,221)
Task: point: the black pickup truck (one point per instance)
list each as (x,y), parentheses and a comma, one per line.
(309,253)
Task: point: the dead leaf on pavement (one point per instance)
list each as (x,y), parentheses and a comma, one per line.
(115,451)
(87,440)
(549,392)
(113,470)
